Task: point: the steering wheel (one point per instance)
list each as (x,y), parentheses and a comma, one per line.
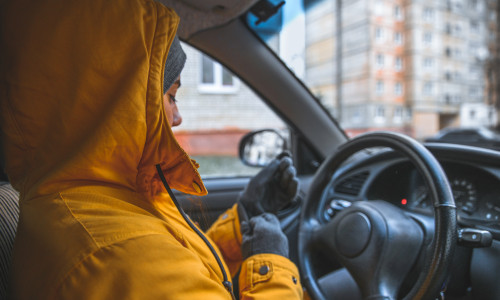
(374,240)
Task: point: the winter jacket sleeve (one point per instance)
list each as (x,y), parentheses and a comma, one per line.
(262,276)
(269,276)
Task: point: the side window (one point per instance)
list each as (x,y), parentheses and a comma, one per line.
(217,110)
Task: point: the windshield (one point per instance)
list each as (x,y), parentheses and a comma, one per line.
(416,68)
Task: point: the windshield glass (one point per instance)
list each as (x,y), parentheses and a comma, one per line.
(412,67)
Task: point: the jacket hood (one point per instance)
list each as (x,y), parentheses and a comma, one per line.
(81,97)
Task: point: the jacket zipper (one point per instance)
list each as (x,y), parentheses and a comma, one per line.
(226,283)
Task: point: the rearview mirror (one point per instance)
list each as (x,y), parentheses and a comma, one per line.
(259,148)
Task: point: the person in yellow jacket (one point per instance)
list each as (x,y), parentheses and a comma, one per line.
(87,142)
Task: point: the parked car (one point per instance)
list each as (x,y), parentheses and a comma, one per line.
(403,221)
(479,137)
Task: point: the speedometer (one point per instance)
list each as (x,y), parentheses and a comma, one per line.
(465,195)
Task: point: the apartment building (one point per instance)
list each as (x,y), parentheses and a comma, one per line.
(408,66)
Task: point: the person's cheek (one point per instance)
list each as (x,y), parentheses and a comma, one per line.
(168,110)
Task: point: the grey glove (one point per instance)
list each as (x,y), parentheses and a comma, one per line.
(272,189)
(263,234)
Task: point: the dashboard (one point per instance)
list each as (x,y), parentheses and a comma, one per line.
(473,174)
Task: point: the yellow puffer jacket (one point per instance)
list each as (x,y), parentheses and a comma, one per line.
(82,128)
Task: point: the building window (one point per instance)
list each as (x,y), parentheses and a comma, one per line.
(379,87)
(398,38)
(474,91)
(215,78)
(398,89)
(379,34)
(398,114)
(428,88)
(380,61)
(447,51)
(427,38)
(356,116)
(474,27)
(379,114)
(451,29)
(398,13)
(474,4)
(475,71)
(472,114)
(398,63)
(447,28)
(428,14)
(409,113)
(428,62)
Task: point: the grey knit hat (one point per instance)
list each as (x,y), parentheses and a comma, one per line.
(175,63)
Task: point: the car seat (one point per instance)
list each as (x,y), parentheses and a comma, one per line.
(9,215)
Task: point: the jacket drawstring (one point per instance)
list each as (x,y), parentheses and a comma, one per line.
(226,283)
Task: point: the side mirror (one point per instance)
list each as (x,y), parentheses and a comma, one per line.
(259,148)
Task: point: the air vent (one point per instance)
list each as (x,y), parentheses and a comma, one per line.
(352,185)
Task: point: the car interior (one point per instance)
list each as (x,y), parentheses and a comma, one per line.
(378,213)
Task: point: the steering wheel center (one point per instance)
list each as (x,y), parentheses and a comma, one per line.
(353,234)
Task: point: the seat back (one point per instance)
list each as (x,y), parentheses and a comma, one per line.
(9,215)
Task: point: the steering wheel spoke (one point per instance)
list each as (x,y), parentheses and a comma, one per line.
(378,244)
